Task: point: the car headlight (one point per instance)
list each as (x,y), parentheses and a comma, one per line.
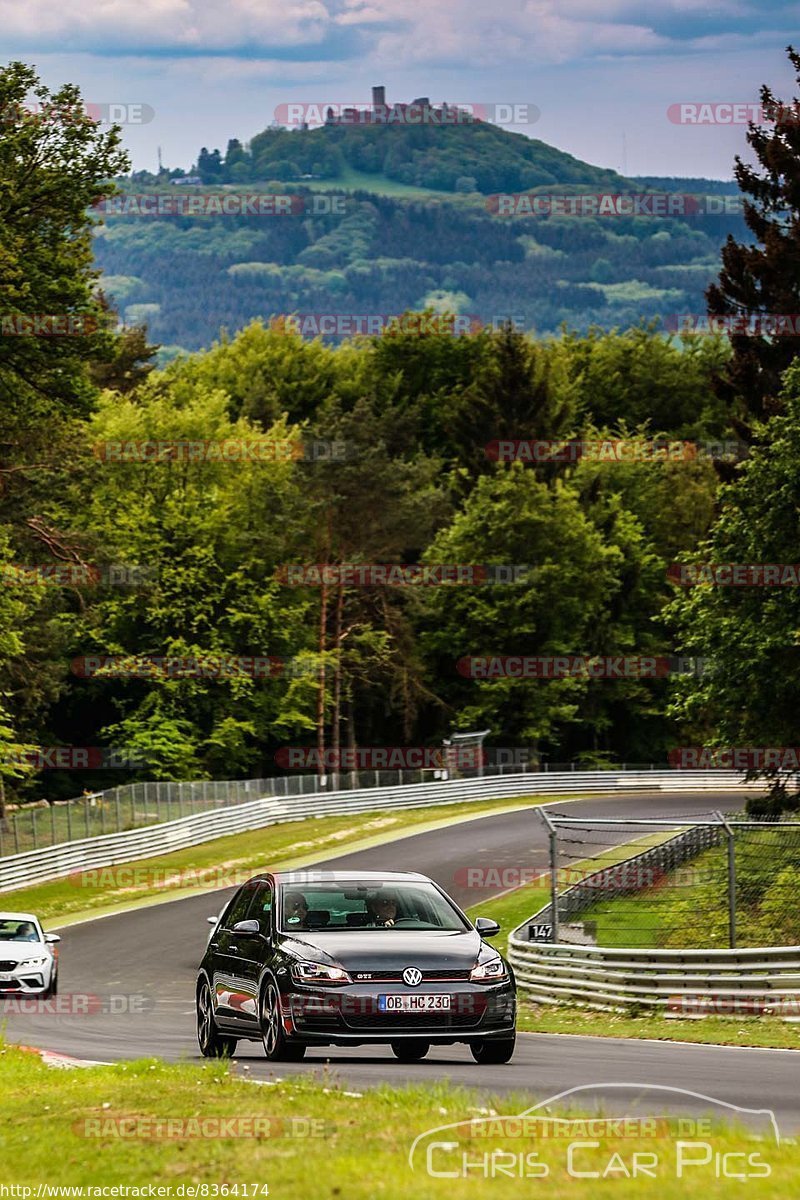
(33,962)
(489,971)
(312,972)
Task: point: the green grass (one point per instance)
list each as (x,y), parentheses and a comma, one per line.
(515,906)
(230,860)
(734,1030)
(62,1128)
(688,907)
(628,921)
(351,180)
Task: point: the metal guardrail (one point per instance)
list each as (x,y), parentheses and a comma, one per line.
(682,981)
(53,862)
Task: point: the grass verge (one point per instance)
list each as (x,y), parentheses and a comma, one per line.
(719,1031)
(110,1126)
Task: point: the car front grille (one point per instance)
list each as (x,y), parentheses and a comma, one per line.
(397,976)
(7,966)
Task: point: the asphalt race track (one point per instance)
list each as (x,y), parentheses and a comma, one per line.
(146,960)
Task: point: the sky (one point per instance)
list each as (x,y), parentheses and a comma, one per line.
(601,75)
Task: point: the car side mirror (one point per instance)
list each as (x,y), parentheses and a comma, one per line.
(486,927)
(212,920)
(251,928)
(52,938)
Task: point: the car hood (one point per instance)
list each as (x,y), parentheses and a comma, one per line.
(22,951)
(391,949)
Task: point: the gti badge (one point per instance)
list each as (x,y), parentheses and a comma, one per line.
(412,976)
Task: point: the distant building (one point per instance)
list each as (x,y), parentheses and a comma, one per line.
(187,181)
(418,112)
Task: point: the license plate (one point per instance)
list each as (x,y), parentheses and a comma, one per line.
(6,978)
(413,1003)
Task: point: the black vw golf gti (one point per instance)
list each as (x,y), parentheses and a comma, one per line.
(320,958)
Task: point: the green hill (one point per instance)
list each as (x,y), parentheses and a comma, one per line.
(475,156)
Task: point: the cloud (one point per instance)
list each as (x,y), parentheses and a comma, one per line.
(389,32)
(204,26)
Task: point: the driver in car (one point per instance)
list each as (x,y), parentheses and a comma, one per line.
(26,932)
(295,909)
(382,909)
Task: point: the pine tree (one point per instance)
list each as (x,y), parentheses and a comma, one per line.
(763,279)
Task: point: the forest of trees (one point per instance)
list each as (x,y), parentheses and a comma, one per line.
(191,276)
(184,554)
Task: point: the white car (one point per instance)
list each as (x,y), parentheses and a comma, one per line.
(28,957)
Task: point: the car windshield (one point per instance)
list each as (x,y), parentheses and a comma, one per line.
(368,905)
(13,930)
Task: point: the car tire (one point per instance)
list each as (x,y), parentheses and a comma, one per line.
(494,1052)
(277,1047)
(52,989)
(213,1044)
(412,1050)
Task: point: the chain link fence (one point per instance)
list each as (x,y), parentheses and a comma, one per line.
(723,882)
(135,805)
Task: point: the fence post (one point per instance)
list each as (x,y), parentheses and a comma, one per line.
(553,875)
(33,828)
(52,823)
(731,881)
(16,834)
(69,821)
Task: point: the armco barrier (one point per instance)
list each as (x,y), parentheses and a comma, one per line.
(682,981)
(53,862)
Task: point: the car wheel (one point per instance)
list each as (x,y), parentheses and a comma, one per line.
(492,1053)
(277,1046)
(410,1051)
(213,1044)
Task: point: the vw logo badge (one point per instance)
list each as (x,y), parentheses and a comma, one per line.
(412,976)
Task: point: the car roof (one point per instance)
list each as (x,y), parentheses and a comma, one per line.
(15,916)
(312,875)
